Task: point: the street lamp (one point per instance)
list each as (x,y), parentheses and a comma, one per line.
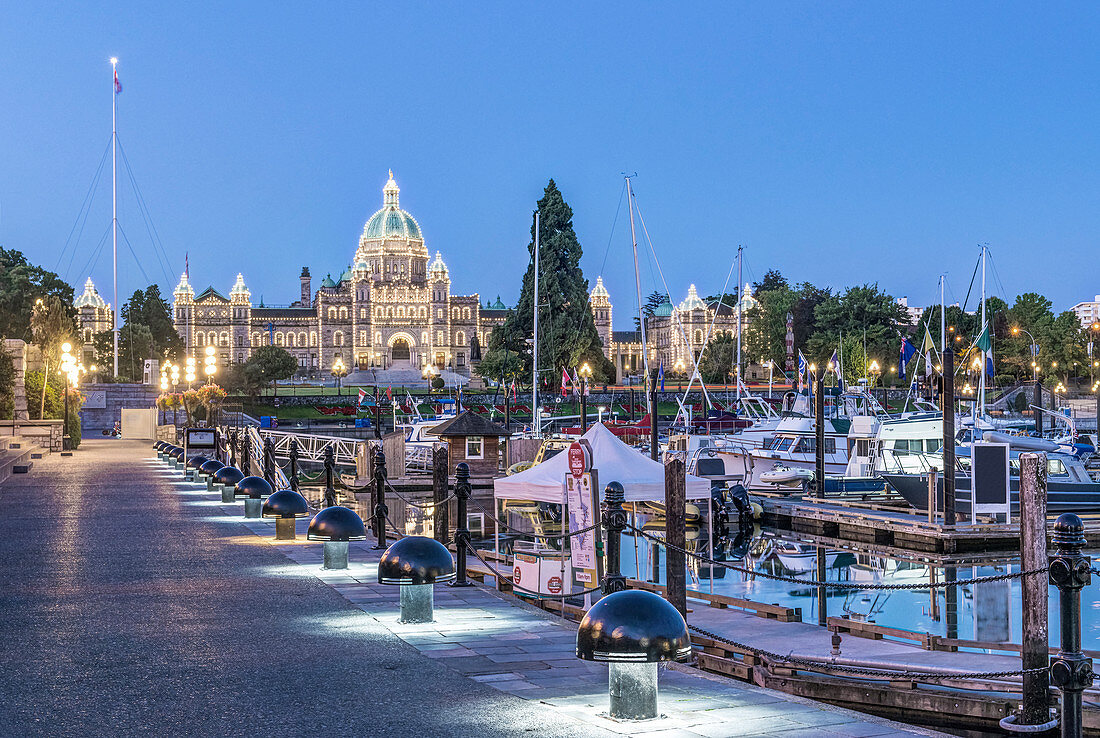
(586,372)
(211,364)
(1017,330)
(771,369)
(190,367)
(339,371)
(71,370)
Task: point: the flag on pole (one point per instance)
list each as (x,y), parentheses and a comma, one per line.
(907,352)
(514,394)
(802,366)
(564,382)
(661,374)
(362,396)
(983,340)
(118,85)
(576,382)
(834,360)
(927,348)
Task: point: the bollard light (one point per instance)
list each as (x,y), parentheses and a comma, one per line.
(416,563)
(632,631)
(252,490)
(191,468)
(286,506)
(177,457)
(208,469)
(336,525)
(227,478)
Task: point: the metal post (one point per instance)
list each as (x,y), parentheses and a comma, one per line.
(933,488)
(462,533)
(294,464)
(330,478)
(246,455)
(440,524)
(380,509)
(632,403)
(66,442)
(653,414)
(1070,670)
(1037,401)
(584,405)
(675,535)
(1033,554)
(614,519)
(377,416)
(269,462)
(819,435)
(949,436)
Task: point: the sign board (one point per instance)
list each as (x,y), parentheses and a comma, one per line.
(200,439)
(541,572)
(582,514)
(990,490)
(580,458)
(95,400)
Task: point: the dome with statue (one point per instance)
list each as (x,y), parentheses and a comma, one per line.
(390,224)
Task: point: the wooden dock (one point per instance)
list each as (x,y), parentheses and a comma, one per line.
(895,531)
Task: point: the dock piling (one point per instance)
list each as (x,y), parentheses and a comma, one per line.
(440,523)
(675,534)
(1033,552)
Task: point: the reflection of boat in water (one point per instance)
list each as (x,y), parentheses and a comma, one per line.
(802,557)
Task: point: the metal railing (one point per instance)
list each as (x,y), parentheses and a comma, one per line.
(312,447)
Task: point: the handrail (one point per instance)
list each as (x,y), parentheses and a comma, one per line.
(256,451)
(312,447)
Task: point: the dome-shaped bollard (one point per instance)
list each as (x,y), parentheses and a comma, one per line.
(165,452)
(632,630)
(226,478)
(177,457)
(191,468)
(416,563)
(207,471)
(158,446)
(253,490)
(286,506)
(336,525)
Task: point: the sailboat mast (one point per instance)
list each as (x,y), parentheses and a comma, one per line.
(114,199)
(737,374)
(943,320)
(981,381)
(638,288)
(536,415)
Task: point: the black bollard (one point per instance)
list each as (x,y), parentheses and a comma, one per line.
(1070,670)
(294,464)
(246,456)
(269,462)
(330,478)
(462,533)
(614,519)
(380,509)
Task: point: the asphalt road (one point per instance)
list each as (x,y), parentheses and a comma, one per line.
(124,612)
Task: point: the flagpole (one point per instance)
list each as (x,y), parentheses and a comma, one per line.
(535,414)
(638,288)
(114,198)
(737,374)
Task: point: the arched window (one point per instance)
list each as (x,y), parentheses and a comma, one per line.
(378,337)
(424,313)
(302,339)
(424,337)
(332,313)
(313,338)
(278,339)
(338,338)
(362,338)
(460,338)
(401,311)
(343,313)
(439,313)
(200,338)
(389,311)
(223,339)
(466,313)
(362,313)
(698,336)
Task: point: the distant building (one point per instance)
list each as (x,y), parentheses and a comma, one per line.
(94,315)
(1088,312)
(914,313)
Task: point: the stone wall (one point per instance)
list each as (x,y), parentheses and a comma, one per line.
(95,419)
(17,348)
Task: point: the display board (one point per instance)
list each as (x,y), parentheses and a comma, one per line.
(990,486)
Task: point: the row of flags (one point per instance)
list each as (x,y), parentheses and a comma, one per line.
(568,383)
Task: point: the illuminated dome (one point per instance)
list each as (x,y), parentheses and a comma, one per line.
(599,290)
(90,298)
(664,310)
(438,269)
(692,301)
(391,222)
(239,293)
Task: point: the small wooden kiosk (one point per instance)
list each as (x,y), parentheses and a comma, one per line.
(473,439)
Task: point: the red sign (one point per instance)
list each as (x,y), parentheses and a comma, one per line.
(516,576)
(554,585)
(579,461)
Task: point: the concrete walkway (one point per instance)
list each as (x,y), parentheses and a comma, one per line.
(135,604)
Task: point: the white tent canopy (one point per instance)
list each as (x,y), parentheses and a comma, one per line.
(642,477)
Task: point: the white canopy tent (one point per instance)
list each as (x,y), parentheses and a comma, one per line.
(642,478)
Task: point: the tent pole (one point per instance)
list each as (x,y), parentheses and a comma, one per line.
(710,539)
(496,528)
(634,524)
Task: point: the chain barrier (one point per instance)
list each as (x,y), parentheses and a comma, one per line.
(517,531)
(839,584)
(916,676)
(407,501)
(531,592)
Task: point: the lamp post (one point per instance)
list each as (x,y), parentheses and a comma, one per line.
(70,369)
(210,364)
(1017,330)
(339,371)
(771,371)
(586,372)
(190,371)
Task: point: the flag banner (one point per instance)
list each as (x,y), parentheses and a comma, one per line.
(576,382)
(118,85)
(661,374)
(802,365)
(362,397)
(564,382)
(926,348)
(907,352)
(389,393)
(835,361)
(983,340)
(514,395)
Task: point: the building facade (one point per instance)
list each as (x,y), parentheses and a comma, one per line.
(1087,312)
(94,315)
(391,308)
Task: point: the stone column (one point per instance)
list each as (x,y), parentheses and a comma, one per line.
(18,350)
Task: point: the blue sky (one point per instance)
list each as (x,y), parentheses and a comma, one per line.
(840,143)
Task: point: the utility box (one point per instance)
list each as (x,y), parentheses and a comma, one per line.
(539,570)
(139,424)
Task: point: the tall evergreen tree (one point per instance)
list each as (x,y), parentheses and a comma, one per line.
(567,333)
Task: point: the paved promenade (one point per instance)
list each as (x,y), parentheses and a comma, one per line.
(136,604)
